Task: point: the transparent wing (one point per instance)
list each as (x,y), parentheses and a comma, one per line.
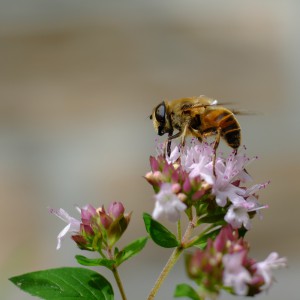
(243,112)
(198,105)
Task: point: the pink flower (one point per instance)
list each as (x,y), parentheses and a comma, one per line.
(73,224)
(235,275)
(237,216)
(161,151)
(264,268)
(197,161)
(175,154)
(227,173)
(167,203)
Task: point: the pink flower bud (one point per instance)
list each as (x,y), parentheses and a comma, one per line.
(220,241)
(195,263)
(87,212)
(154,164)
(116,210)
(187,185)
(176,188)
(86,230)
(198,194)
(175,176)
(154,177)
(106,220)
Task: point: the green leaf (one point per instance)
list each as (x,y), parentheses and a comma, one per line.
(159,233)
(184,290)
(147,220)
(65,284)
(131,250)
(201,242)
(108,263)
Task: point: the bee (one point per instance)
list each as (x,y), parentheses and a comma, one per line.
(199,117)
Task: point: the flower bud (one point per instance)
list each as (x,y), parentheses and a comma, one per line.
(176,188)
(86,230)
(154,164)
(116,210)
(198,195)
(88,212)
(80,241)
(187,185)
(194,263)
(182,197)
(117,228)
(106,220)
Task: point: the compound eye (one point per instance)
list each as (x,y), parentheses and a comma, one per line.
(160,113)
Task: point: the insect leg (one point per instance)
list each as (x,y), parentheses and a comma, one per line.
(183,136)
(196,134)
(171,137)
(217,141)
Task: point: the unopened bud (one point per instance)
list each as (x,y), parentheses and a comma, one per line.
(176,188)
(182,197)
(116,210)
(106,220)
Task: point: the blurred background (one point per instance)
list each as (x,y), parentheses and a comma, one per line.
(78,80)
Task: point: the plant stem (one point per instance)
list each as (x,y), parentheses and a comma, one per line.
(171,262)
(117,276)
(119,283)
(179,230)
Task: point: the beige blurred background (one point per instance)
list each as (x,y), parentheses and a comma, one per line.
(78,80)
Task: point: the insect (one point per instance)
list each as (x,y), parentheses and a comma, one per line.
(199,117)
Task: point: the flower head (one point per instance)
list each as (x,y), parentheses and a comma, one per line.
(224,263)
(191,168)
(97,229)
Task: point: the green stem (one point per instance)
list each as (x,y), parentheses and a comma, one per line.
(179,234)
(119,283)
(117,276)
(101,253)
(171,262)
(191,242)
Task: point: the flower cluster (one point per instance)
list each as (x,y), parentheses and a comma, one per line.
(97,229)
(189,178)
(224,263)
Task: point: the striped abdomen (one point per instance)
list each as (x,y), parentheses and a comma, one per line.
(223,119)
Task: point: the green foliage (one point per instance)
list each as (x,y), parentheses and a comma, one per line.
(108,263)
(131,250)
(65,283)
(184,290)
(159,233)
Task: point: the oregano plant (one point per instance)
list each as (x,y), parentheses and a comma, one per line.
(212,192)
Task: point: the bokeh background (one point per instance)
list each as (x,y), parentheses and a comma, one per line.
(78,80)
